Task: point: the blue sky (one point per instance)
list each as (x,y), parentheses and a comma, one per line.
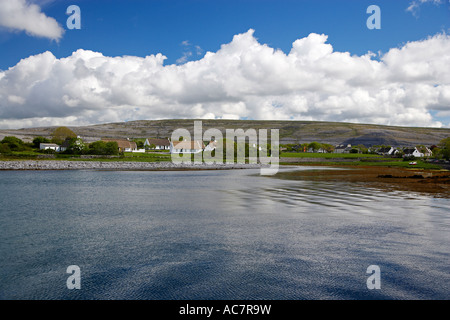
(143,27)
(184,30)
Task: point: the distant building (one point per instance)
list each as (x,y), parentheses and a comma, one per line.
(408,152)
(160,144)
(186,146)
(125,145)
(387,151)
(342,148)
(49,146)
(425,150)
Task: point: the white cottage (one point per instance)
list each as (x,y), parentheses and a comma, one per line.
(49,146)
(186,146)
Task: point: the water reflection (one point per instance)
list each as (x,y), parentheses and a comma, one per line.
(217,235)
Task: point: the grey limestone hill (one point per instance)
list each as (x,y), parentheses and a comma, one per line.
(290,131)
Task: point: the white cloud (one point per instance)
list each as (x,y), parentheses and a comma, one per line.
(19,15)
(243,79)
(414,5)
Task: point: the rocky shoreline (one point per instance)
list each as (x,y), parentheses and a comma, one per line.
(115,165)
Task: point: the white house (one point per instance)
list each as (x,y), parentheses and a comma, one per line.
(159,144)
(426,151)
(124,145)
(393,151)
(412,152)
(387,151)
(51,146)
(340,148)
(186,146)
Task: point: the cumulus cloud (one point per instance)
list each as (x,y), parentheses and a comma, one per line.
(243,79)
(22,16)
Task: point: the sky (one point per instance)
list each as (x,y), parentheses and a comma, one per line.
(318,60)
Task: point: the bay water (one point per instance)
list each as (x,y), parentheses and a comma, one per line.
(216,234)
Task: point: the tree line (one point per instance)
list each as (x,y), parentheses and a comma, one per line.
(62,136)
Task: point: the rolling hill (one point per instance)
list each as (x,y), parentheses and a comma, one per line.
(290,131)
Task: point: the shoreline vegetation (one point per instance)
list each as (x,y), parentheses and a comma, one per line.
(425,181)
(371,172)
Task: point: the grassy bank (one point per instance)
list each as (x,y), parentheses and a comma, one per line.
(127,156)
(431,182)
(388,164)
(320,159)
(352,159)
(327,155)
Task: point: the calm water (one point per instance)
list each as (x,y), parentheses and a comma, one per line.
(216,235)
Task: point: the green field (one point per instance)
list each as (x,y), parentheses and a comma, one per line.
(135,157)
(127,156)
(397,164)
(327,155)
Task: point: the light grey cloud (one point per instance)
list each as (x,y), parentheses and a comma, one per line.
(243,79)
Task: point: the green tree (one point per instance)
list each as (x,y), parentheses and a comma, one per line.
(444,146)
(139,144)
(314,146)
(61,134)
(362,148)
(13,143)
(38,140)
(328,147)
(103,148)
(4,148)
(112,148)
(74,146)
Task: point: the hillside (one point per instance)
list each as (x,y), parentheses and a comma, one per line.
(290,131)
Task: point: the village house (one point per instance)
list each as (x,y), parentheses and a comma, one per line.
(425,150)
(186,146)
(157,144)
(387,151)
(125,145)
(408,152)
(341,148)
(49,146)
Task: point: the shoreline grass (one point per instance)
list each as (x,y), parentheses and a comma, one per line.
(328,155)
(390,164)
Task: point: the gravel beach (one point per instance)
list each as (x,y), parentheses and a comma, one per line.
(115,165)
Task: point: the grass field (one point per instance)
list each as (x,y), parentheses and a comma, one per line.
(327,155)
(395,164)
(350,159)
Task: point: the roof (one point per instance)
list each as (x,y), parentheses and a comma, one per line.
(123,143)
(409,150)
(159,142)
(48,145)
(385,149)
(188,145)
